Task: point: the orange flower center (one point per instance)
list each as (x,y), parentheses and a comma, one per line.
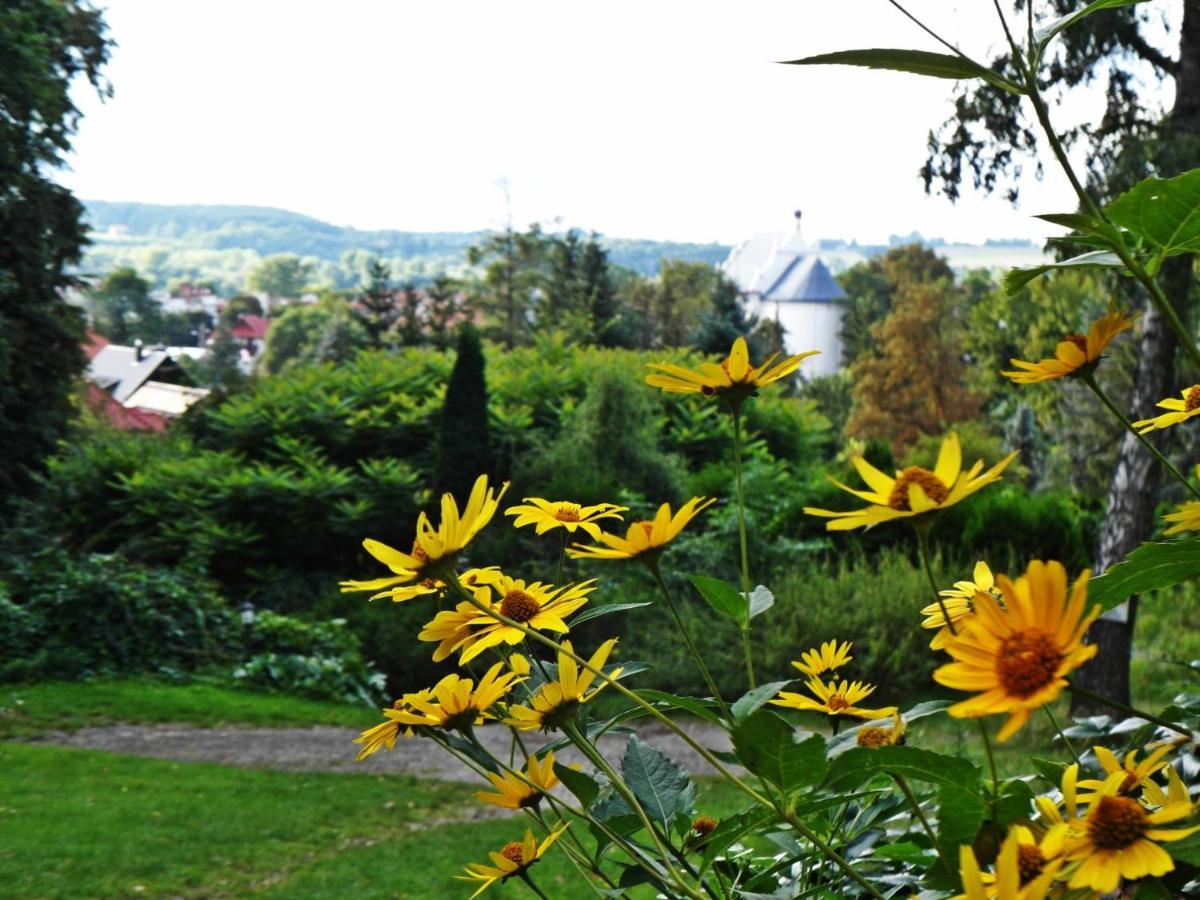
(519,606)
(1128,785)
(514,852)
(1030,862)
(1116,823)
(933,487)
(647,527)
(567,512)
(874,737)
(704,825)
(1079,341)
(1192,401)
(836,702)
(419,552)
(432,583)
(1027,661)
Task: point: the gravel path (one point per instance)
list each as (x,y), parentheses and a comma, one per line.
(329,749)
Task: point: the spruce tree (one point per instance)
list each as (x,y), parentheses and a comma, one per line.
(464,451)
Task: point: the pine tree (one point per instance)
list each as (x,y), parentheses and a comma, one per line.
(599,295)
(464,450)
(377,303)
(442,308)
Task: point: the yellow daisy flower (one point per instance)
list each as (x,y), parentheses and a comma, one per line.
(1137,774)
(1119,839)
(1018,656)
(733,379)
(1075,354)
(914,491)
(644,539)
(383,736)
(834,699)
(875,736)
(1186,516)
(514,858)
(1187,407)
(958,602)
(556,702)
(1022,871)
(522,791)
(451,628)
(563,514)
(434,547)
(399,592)
(826,658)
(539,606)
(455,703)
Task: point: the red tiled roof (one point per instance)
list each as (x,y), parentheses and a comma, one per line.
(251,328)
(123,417)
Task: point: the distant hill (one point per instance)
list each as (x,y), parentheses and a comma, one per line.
(221,243)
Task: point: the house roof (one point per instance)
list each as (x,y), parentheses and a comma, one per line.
(118,370)
(251,327)
(782,268)
(165,399)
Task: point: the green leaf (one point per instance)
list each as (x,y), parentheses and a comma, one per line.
(1045,34)
(694,705)
(732,829)
(1165,212)
(960,815)
(1150,567)
(1016,279)
(1153,889)
(916,62)
(656,781)
(761,599)
(603,610)
(1082,223)
(1050,769)
(583,786)
(848,737)
(755,699)
(906,852)
(766,745)
(855,766)
(1015,802)
(724,598)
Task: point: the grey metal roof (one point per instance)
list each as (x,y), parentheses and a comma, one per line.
(118,370)
(782,268)
(806,280)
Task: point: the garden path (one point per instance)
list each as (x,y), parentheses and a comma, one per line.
(329,749)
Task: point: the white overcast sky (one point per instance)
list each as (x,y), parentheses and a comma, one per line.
(660,118)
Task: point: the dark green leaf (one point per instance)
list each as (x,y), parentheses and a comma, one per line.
(1153,889)
(906,852)
(1050,769)
(1045,34)
(583,786)
(596,612)
(722,597)
(1166,212)
(656,781)
(732,829)
(1150,567)
(766,745)
(761,599)
(695,705)
(855,766)
(960,814)
(1015,802)
(1016,279)
(754,700)
(916,62)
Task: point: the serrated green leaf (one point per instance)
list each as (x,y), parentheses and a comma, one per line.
(656,781)
(596,612)
(1164,211)
(755,699)
(761,599)
(855,766)
(1150,567)
(766,745)
(583,786)
(724,598)
(915,62)
(1016,279)
(1050,769)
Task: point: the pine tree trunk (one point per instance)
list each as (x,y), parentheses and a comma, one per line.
(1134,486)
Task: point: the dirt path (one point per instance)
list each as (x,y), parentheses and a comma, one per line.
(329,749)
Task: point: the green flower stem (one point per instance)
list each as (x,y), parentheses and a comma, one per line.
(1090,381)
(562,555)
(920,813)
(687,639)
(991,758)
(832,855)
(524,876)
(1129,710)
(922,530)
(1062,734)
(571,730)
(741,505)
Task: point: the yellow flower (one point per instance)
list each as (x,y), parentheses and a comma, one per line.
(1075,354)
(958,602)
(914,491)
(1118,836)
(522,791)
(1018,656)
(644,538)
(826,658)
(1186,515)
(1137,774)
(451,628)
(399,592)
(434,547)
(383,736)
(556,702)
(733,379)
(1023,871)
(834,699)
(513,859)
(1181,410)
(875,736)
(564,514)
(455,702)
(539,606)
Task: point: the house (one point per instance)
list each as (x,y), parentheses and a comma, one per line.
(138,387)
(781,277)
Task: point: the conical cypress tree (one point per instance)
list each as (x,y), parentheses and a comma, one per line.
(464,452)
